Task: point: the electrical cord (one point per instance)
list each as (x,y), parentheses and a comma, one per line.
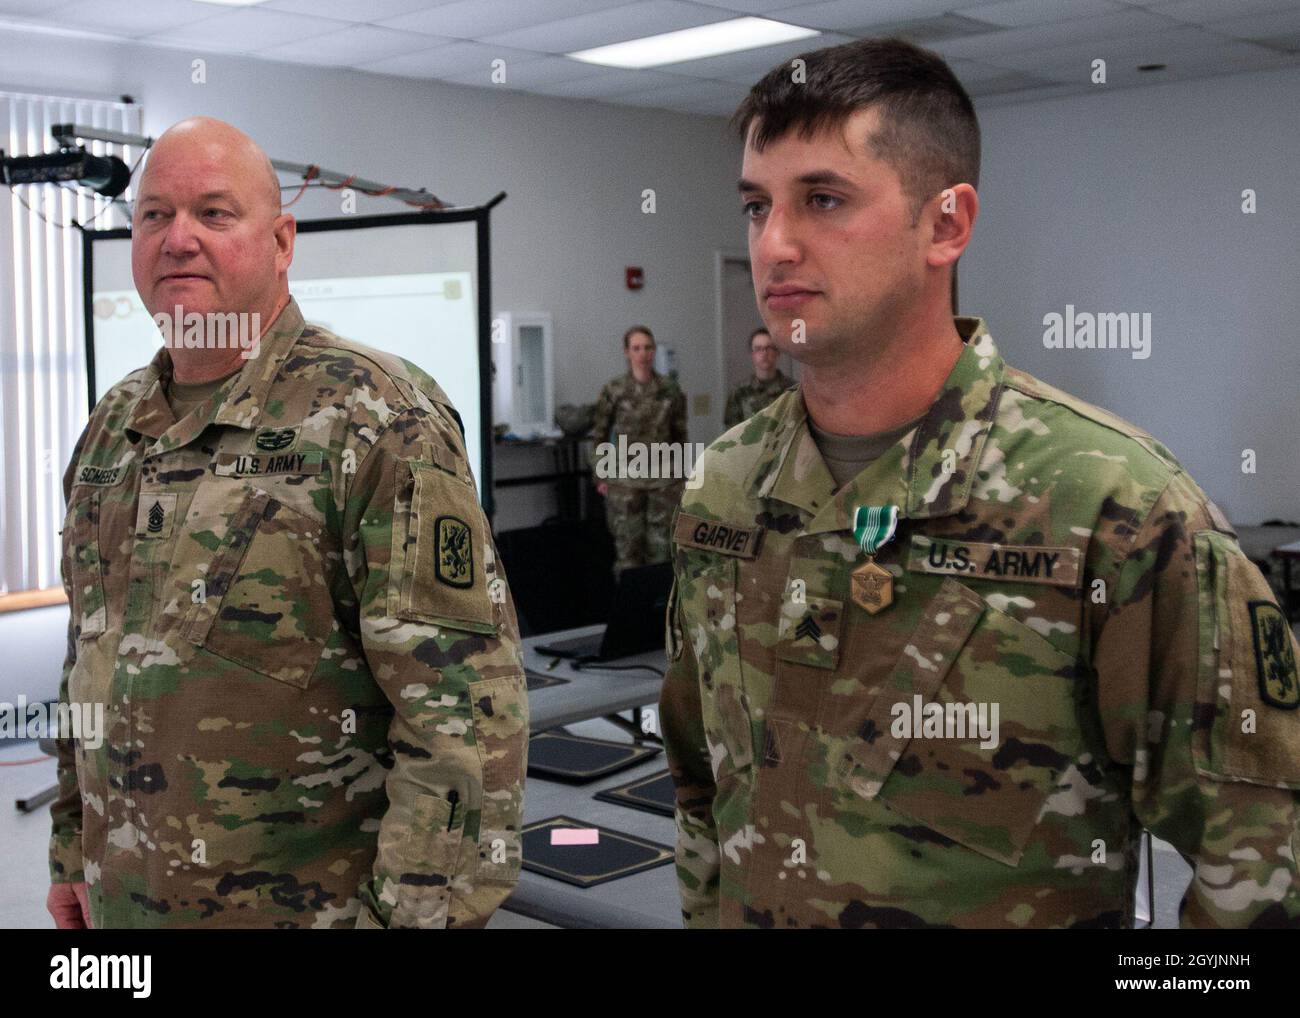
(24,763)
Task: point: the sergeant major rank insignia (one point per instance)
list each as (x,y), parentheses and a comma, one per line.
(453,559)
(1279,684)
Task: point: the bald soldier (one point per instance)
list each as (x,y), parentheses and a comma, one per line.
(943,638)
(287,600)
(766,383)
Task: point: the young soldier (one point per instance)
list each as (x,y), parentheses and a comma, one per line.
(763,386)
(945,676)
(647,410)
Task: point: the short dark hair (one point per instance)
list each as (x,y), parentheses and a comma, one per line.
(633,331)
(928,129)
(762,330)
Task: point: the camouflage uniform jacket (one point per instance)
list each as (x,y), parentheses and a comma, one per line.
(289,605)
(749,398)
(649,414)
(1050,560)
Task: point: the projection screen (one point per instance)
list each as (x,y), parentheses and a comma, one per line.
(413,284)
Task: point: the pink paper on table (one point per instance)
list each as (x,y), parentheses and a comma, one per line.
(575,836)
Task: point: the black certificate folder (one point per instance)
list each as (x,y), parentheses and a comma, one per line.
(536,680)
(564,757)
(654,794)
(616,855)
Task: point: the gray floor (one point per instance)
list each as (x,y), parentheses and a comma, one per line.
(24,838)
(24,880)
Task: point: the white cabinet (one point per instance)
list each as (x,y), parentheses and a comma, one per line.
(523,379)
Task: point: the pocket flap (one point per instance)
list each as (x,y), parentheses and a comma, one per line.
(1248,690)
(442,578)
(809,632)
(947,623)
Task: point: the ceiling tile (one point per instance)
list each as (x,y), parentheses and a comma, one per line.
(128,18)
(742,7)
(1201,11)
(854,16)
(610,83)
(455,58)
(245,31)
(352,10)
(474,19)
(1022,13)
(1233,58)
(547,70)
(1122,24)
(356,44)
(30,8)
(1260,26)
(615,24)
(1184,49)
(749,65)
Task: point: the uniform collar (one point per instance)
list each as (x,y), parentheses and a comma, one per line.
(929,472)
(239,402)
(654,385)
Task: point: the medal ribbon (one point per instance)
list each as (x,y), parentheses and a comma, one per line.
(874,525)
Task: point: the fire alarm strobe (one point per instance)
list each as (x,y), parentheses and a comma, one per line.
(635,277)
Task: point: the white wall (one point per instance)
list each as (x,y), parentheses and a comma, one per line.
(1131,201)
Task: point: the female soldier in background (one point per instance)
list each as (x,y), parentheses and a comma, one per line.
(639,413)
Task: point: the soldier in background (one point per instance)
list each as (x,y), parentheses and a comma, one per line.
(286,599)
(647,410)
(943,638)
(767,382)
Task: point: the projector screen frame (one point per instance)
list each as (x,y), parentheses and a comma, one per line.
(480,215)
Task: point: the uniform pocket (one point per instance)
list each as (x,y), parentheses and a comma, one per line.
(426,860)
(439,548)
(85,567)
(706,595)
(500,717)
(267,605)
(975,727)
(809,632)
(1247,690)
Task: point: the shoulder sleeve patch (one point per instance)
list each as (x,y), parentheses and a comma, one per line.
(438,554)
(1275,656)
(1246,726)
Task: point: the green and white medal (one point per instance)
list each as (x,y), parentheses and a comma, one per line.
(873,527)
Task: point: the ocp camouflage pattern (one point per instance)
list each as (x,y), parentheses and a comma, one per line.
(289,605)
(1126,678)
(650,413)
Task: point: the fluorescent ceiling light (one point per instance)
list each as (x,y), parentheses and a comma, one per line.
(694,43)
(231,3)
